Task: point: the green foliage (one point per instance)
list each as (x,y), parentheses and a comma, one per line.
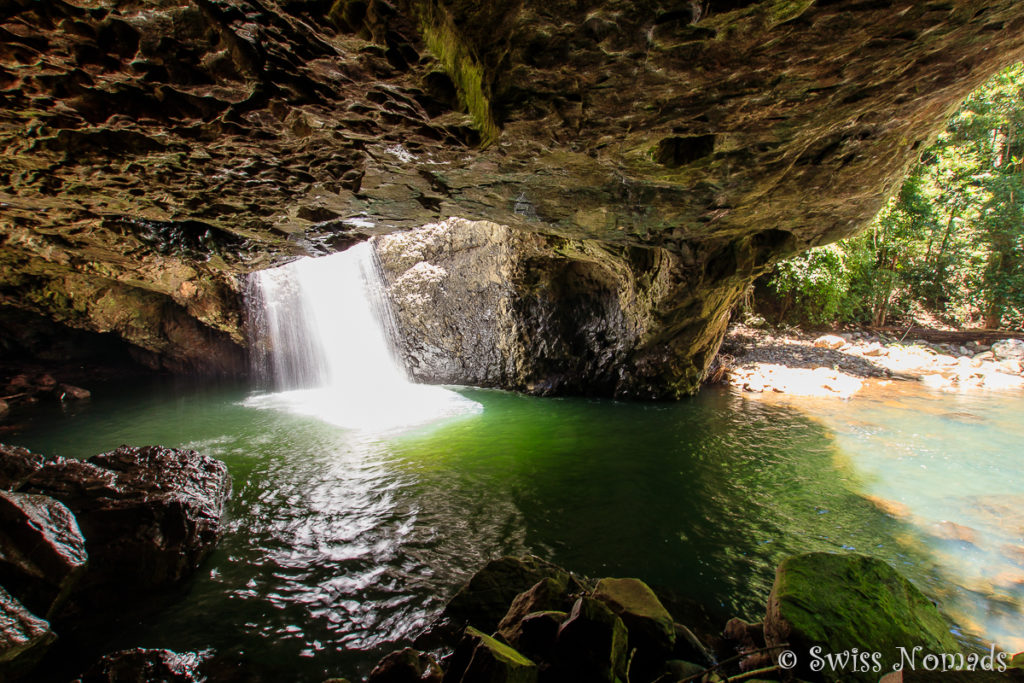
(951,243)
(812,285)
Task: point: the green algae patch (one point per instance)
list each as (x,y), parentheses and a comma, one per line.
(464,69)
(840,603)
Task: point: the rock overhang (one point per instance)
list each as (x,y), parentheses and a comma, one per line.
(159,149)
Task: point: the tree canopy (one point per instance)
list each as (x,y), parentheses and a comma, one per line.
(948,245)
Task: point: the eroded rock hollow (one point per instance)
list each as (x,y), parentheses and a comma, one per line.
(649,158)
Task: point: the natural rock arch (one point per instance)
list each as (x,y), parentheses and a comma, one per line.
(153,150)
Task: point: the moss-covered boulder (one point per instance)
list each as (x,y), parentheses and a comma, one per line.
(651,627)
(482,659)
(842,602)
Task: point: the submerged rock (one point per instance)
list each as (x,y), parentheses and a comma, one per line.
(140,665)
(150,515)
(24,638)
(842,602)
(42,550)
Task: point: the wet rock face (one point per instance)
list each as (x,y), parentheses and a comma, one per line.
(149,515)
(407,666)
(152,150)
(24,637)
(485,599)
(42,550)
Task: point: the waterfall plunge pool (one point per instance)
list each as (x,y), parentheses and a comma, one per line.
(362,501)
(342,544)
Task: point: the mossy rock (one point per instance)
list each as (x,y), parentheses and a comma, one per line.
(482,659)
(842,602)
(650,625)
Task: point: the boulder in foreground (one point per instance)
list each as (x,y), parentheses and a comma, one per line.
(485,599)
(42,550)
(17,464)
(24,638)
(150,515)
(407,666)
(842,602)
(482,659)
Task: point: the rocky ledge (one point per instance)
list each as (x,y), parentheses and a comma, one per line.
(524,620)
(757,361)
(74,533)
(527,621)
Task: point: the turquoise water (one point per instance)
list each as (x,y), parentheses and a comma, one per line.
(342,545)
(948,465)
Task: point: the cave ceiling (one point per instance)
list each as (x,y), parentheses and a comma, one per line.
(161,146)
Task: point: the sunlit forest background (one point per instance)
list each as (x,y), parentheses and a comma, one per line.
(946,250)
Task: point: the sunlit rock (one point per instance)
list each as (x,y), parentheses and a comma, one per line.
(830,341)
(1008,349)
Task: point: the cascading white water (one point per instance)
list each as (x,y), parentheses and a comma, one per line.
(322,335)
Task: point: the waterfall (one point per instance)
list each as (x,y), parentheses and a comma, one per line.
(322,334)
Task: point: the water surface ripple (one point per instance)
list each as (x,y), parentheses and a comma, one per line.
(342,544)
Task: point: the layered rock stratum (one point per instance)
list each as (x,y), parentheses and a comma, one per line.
(155,149)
